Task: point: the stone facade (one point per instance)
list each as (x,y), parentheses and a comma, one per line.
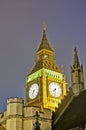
(20,117)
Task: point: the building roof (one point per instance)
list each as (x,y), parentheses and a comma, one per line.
(74,115)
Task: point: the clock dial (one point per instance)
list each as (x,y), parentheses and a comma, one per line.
(55,89)
(33,91)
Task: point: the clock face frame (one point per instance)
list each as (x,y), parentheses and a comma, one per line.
(55,89)
(33,91)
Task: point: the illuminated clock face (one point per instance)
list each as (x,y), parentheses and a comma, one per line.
(33,91)
(55,89)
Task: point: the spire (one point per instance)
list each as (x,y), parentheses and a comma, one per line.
(76,63)
(77,76)
(44,42)
(36,124)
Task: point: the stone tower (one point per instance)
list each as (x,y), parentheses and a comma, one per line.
(46,83)
(14,114)
(77,76)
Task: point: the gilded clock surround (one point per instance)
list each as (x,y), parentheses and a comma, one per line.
(44,72)
(33,102)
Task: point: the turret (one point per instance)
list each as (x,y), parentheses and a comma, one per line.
(14,113)
(77,76)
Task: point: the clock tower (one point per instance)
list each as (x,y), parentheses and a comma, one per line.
(46,83)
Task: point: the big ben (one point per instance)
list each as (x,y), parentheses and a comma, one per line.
(46,83)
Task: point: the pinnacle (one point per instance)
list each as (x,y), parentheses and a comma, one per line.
(76,63)
(44,42)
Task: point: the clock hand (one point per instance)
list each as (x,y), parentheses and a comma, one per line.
(33,91)
(54,90)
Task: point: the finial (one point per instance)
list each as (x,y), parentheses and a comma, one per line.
(44,26)
(75,50)
(76,63)
(36,116)
(36,124)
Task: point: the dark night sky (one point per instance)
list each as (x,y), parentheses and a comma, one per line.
(21,32)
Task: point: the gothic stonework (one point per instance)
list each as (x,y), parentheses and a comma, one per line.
(20,117)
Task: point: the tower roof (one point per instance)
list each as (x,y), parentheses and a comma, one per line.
(76,63)
(44,42)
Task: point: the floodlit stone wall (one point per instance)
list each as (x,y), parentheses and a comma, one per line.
(45,118)
(20,117)
(14,114)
